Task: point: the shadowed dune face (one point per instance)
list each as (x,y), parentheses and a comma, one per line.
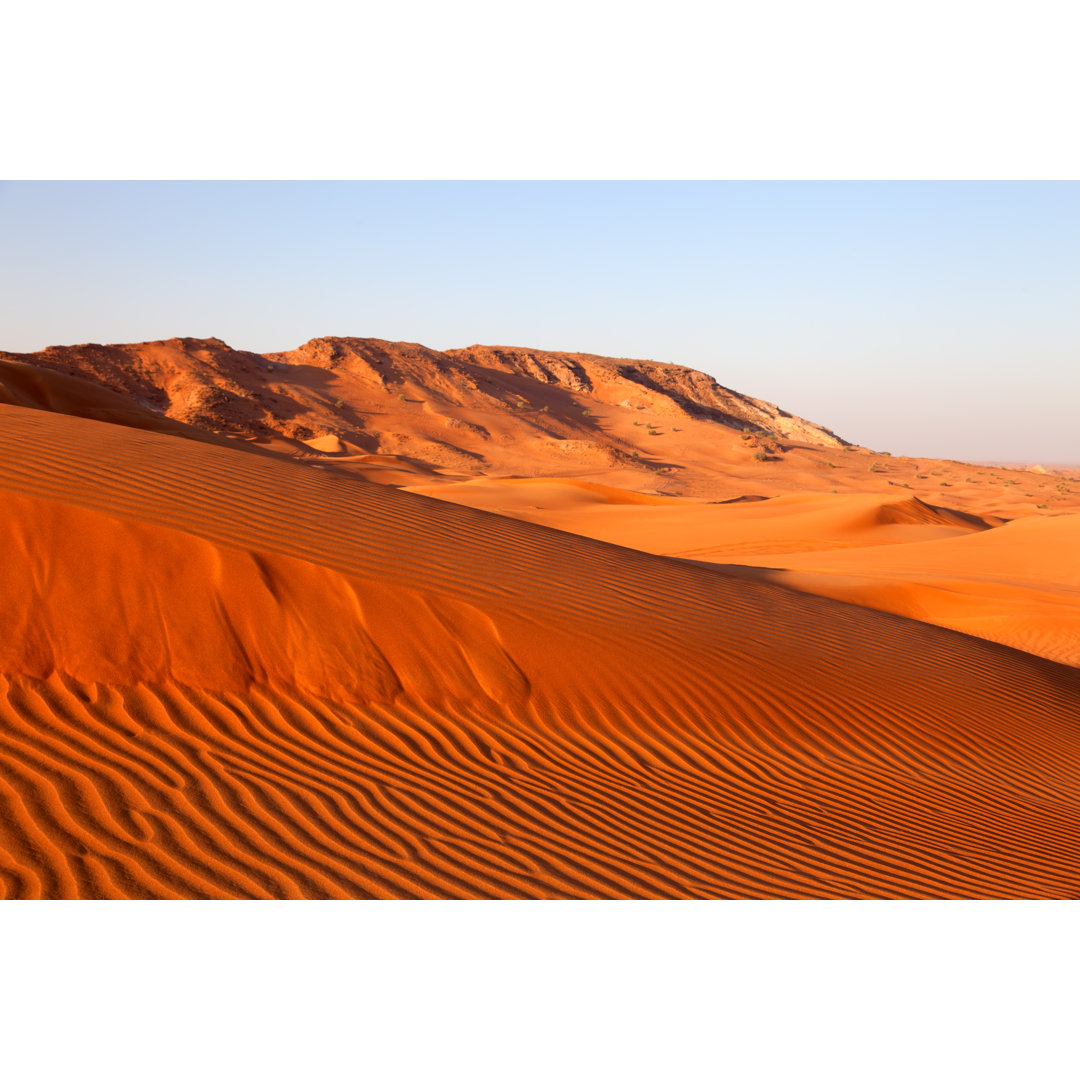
(235,675)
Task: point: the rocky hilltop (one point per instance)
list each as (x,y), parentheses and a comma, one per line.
(470,409)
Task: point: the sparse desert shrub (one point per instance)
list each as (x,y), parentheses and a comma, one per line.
(653,431)
(637,423)
(521,404)
(339,404)
(635,455)
(746,436)
(760,455)
(920,476)
(545,409)
(587,412)
(832,464)
(676,429)
(1042,506)
(402,397)
(872,467)
(945,483)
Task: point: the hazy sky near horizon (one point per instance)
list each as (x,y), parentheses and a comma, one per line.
(940,319)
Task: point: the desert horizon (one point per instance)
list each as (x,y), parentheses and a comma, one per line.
(366,619)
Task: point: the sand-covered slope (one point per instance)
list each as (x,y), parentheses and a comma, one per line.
(227,674)
(1012,582)
(1018,584)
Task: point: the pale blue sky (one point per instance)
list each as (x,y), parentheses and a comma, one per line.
(923,318)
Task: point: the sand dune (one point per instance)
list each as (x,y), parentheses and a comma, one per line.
(1016,585)
(693,528)
(232,674)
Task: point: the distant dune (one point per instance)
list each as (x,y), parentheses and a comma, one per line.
(234,666)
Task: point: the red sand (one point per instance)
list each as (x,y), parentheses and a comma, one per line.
(239,674)
(1017,583)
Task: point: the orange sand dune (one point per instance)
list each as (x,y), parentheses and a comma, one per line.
(691,528)
(231,674)
(1017,585)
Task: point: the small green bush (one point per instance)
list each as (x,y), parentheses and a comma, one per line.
(760,455)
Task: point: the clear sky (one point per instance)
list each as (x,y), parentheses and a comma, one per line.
(924,318)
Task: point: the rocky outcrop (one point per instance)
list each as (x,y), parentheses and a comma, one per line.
(438,407)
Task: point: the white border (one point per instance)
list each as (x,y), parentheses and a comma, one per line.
(537,990)
(943,89)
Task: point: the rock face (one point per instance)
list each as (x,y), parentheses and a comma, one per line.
(666,389)
(463,408)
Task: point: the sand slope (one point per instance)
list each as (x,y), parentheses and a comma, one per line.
(1016,584)
(229,674)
